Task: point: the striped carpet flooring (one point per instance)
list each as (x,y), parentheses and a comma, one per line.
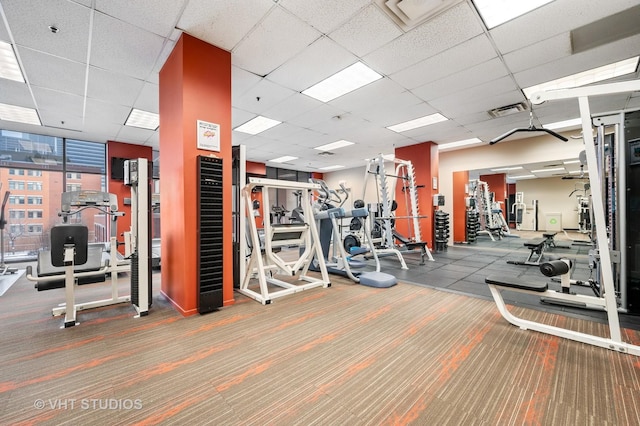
(344,355)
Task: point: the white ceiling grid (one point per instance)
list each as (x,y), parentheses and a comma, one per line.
(450,64)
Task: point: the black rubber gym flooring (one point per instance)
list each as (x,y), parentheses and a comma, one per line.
(462,268)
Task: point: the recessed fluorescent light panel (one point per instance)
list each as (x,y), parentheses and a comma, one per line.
(331,167)
(571,161)
(283,159)
(9,67)
(257,125)
(19,114)
(458,144)
(496,12)
(506,169)
(521,177)
(563,124)
(143,119)
(343,82)
(594,75)
(555,169)
(418,122)
(333,145)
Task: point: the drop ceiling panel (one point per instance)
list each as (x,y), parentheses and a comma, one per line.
(148,98)
(164,54)
(59,119)
(397,109)
(51,100)
(239,117)
(324,15)
(380,92)
(4,33)
(445,31)
(470,53)
(14,93)
(477,93)
(292,106)
(157,16)
(270,43)
(309,138)
(583,61)
(242,80)
(552,19)
(321,59)
(30,27)
(450,108)
(317,115)
(463,80)
(53,72)
(223,24)
(540,53)
(113,87)
(124,48)
(128,133)
(366,31)
(281,132)
(262,96)
(98,112)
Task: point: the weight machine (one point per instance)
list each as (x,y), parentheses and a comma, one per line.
(606,183)
(70,248)
(266,267)
(518,210)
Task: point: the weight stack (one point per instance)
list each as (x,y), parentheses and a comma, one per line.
(473,226)
(441,230)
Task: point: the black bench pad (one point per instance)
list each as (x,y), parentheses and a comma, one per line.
(516,283)
(535,243)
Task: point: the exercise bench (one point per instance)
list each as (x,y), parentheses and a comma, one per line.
(537,247)
(562,268)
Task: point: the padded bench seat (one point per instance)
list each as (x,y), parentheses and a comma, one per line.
(516,283)
(535,243)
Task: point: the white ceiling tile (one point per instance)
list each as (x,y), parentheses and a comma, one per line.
(318,61)
(378,92)
(148,98)
(463,80)
(134,134)
(317,115)
(325,15)
(473,52)
(167,48)
(406,106)
(579,62)
(51,100)
(157,16)
(223,23)
(270,43)
(477,93)
(552,19)
(366,32)
(452,27)
(540,53)
(98,111)
(242,80)
(53,72)
(452,108)
(239,117)
(262,96)
(113,87)
(292,106)
(14,93)
(30,27)
(124,48)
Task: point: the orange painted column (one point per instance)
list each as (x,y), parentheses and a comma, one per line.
(424,158)
(460,181)
(498,185)
(195,84)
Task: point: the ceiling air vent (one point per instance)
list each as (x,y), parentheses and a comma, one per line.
(408,14)
(325,153)
(507,110)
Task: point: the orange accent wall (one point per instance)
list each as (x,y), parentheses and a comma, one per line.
(460,181)
(129,151)
(424,157)
(195,84)
(498,185)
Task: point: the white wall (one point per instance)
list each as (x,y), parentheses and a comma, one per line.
(354,179)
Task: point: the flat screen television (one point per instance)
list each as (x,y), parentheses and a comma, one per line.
(117,168)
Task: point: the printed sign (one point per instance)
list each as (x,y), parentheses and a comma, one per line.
(208,136)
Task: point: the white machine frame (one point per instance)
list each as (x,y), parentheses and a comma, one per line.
(608,302)
(261,266)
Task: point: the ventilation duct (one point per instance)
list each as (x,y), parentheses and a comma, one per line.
(408,14)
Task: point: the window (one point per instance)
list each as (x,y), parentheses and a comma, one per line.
(16,229)
(34,200)
(16,199)
(34,186)
(34,214)
(34,229)
(74,187)
(16,214)
(16,172)
(16,184)
(74,176)
(37,173)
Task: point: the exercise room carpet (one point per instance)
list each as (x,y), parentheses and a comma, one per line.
(345,355)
